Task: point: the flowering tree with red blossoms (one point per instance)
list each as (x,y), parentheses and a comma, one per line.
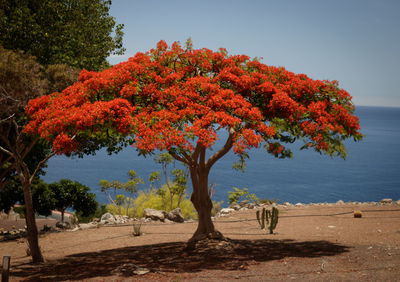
(178,99)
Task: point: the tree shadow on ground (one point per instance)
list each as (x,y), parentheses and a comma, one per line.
(174,257)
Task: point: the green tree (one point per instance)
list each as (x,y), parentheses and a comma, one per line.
(111,189)
(179,185)
(69,194)
(154,177)
(42,198)
(70,34)
(178,100)
(79,33)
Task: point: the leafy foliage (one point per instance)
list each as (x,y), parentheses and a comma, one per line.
(100,210)
(69,194)
(161,201)
(237,194)
(170,97)
(73,32)
(12,194)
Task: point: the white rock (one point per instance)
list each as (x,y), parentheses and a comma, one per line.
(84,226)
(299,205)
(107,218)
(226,211)
(340,202)
(155,214)
(141,271)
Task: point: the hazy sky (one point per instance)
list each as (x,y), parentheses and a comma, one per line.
(356,42)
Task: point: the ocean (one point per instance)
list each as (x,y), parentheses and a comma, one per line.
(369,173)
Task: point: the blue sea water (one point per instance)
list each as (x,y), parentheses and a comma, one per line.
(369,173)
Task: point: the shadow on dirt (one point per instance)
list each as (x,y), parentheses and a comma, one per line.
(174,257)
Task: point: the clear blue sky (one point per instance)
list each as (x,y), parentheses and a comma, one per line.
(356,42)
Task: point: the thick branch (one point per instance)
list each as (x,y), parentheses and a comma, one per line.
(179,158)
(196,153)
(221,152)
(29,148)
(202,161)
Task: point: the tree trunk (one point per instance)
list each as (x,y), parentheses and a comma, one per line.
(32,232)
(203,204)
(62,216)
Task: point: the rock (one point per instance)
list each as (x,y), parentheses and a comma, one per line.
(119,219)
(398,202)
(226,211)
(108,218)
(141,271)
(250,206)
(235,206)
(85,226)
(386,201)
(155,214)
(287,204)
(299,205)
(128,269)
(63,225)
(340,202)
(176,215)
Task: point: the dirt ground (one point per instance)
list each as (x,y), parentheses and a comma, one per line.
(312,242)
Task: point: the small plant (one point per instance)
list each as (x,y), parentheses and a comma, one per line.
(137,229)
(357,214)
(237,193)
(268,219)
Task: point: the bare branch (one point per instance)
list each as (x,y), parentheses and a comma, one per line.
(7,118)
(221,152)
(29,148)
(40,164)
(8,96)
(7,151)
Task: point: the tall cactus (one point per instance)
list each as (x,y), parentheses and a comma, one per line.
(268,219)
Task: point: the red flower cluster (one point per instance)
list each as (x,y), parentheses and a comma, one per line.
(172,97)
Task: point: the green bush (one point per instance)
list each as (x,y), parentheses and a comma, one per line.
(237,194)
(159,199)
(100,210)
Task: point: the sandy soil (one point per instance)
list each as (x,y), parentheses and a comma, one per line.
(324,243)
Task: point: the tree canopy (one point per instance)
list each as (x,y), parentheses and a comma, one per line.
(79,33)
(72,194)
(177,99)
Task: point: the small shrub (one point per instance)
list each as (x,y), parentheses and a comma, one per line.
(137,228)
(237,194)
(159,199)
(79,218)
(216,207)
(267,201)
(20,210)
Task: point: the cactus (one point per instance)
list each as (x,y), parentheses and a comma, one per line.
(268,219)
